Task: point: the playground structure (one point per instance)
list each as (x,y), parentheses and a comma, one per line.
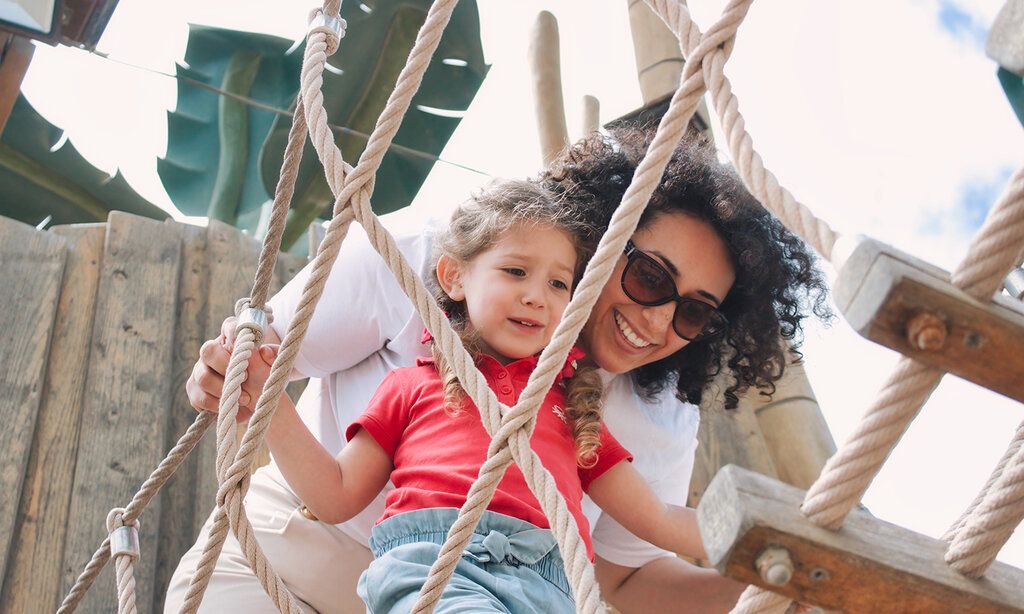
(883,294)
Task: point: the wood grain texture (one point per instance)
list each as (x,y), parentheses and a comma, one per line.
(127,396)
(33,579)
(794,429)
(867,566)
(31,268)
(879,289)
(178,504)
(727,436)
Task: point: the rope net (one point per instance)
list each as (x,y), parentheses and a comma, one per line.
(998,246)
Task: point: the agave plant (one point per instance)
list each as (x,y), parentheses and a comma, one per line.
(225,147)
(44,180)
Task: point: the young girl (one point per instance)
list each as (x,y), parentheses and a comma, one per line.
(504,274)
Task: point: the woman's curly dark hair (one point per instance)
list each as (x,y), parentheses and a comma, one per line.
(776,276)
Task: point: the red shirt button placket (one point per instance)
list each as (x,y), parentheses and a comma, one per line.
(505,389)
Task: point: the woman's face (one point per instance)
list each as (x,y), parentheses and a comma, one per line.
(622,335)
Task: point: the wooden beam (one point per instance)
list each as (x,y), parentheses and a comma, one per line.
(867,566)
(15,56)
(908,305)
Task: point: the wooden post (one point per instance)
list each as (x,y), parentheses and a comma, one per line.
(591,115)
(869,565)
(794,429)
(15,56)
(727,437)
(545,64)
(659,60)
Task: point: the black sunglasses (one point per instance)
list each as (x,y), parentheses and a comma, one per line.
(646,282)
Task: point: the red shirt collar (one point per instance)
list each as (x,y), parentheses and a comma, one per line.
(529,363)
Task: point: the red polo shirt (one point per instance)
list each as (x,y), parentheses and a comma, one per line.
(437,456)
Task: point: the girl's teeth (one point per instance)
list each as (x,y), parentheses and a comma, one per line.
(628,333)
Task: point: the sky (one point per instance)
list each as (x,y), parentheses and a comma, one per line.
(885,118)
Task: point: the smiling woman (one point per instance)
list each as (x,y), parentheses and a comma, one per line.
(718,246)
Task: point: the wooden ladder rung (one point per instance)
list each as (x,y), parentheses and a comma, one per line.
(882,293)
(869,565)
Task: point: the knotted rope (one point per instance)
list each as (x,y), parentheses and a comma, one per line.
(124,548)
(138,503)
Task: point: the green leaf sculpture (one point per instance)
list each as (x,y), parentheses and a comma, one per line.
(224,155)
(40,180)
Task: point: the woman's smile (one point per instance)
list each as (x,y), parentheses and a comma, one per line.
(621,334)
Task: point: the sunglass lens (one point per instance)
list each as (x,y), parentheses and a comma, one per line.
(646,282)
(693,318)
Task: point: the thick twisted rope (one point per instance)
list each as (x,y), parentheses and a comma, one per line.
(233,461)
(124,564)
(145,494)
(761,182)
(991,522)
(1011,451)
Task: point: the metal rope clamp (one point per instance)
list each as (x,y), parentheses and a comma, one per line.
(253,319)
(332,27)
(124,541)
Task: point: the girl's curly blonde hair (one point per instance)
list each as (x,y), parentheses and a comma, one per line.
(476,226)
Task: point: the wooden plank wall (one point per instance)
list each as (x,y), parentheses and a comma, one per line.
(92,413)
(127,395)
(31,267)
(34,576)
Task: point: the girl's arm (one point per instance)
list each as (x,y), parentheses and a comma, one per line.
(333,489)
(624,494)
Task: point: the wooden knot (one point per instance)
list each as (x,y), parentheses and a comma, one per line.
(775,566)
(926,331)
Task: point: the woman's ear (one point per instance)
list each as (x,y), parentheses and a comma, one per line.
(449,276)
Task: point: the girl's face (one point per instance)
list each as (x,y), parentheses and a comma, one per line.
(515,291)
(622,335)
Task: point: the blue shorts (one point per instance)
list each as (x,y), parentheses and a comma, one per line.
(509,566)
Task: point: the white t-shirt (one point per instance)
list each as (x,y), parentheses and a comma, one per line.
(364,326)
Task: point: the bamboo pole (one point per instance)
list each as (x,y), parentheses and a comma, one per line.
(545,66)
(659,60)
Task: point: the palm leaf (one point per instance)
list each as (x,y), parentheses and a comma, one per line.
(39,181)
(223,156)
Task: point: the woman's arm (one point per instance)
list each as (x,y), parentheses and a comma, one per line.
(624,494)
(334,489)
(666,585)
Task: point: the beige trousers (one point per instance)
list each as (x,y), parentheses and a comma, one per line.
(319,563)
